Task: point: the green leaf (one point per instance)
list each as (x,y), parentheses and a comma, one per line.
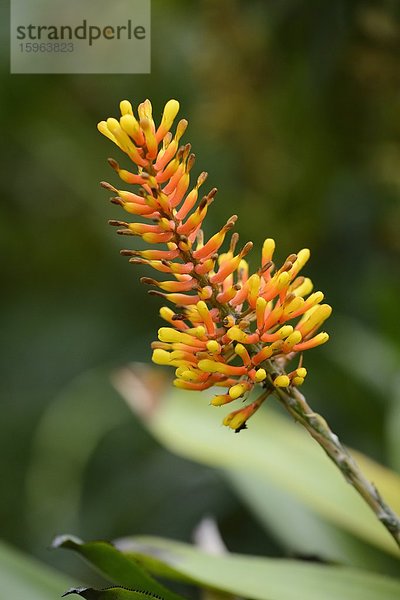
(22,577)
(277,450)
(113,593)
(115,566)
(258,578)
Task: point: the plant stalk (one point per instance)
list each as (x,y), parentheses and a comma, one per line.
(296,404)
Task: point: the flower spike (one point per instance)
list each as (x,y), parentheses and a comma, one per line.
(232,329)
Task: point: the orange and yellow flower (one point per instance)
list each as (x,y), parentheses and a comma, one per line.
(229,328)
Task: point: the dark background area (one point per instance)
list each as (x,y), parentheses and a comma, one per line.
(293,109)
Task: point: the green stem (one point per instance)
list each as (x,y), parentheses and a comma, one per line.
(296,404)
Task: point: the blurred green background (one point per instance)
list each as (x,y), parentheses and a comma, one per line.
(293,109)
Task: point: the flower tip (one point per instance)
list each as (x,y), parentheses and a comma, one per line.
(112,124)
(169,335)
(166,313)
(302,257)
(246,249)
(282,381)
(221,400)
(268,250)
(180,129)
(113,164)
(108,186)
(125,107)
(160,357)
(260,375)
(171,109)
(240,349)
(208,366)
(261,303)
(234,333)
(235,420)
(236,391)
(213,346)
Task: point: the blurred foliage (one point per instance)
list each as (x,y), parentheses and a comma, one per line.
(249,576)
(294,110)
(278,472)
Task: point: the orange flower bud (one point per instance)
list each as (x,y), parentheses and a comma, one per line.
(318,340)
(206,317)
(237,419)
(164,157)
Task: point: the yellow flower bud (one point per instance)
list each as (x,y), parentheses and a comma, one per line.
(268,250)
(170,111)
(304,288)
(131,127)
(221,400)
(317,340)
(301,372)
(160,357)
(281,381)
(213,347)
(236,391)
(125,107)
(261,374)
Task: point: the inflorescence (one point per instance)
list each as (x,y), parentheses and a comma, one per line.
(230,328)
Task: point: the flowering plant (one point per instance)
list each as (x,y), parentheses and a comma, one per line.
(229,329)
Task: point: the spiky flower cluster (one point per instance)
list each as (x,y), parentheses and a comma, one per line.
(230,329)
